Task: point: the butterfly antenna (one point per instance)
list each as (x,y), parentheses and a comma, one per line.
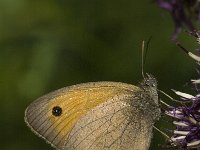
(144,53)
(143,42)
(147,47)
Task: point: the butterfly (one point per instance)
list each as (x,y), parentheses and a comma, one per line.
(97,116)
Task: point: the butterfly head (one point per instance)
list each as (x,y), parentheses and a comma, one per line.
(149,85)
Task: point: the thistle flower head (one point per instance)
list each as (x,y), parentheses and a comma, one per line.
(187,116)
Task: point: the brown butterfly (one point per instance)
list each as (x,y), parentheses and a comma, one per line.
(97,116)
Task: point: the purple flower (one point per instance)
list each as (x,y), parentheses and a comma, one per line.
(187,121)
(179,10)
(187,116)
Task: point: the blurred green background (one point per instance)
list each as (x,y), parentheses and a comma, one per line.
(46,45)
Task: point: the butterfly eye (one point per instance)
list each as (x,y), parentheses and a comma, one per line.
(147,82)
(57,111)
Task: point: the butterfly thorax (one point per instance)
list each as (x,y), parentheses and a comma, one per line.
(149,97)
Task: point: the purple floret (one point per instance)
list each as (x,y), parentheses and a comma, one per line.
(187,124)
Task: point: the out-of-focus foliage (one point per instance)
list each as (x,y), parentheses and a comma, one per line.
(46,45)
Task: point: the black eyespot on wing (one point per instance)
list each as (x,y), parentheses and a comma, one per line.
(57,111)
